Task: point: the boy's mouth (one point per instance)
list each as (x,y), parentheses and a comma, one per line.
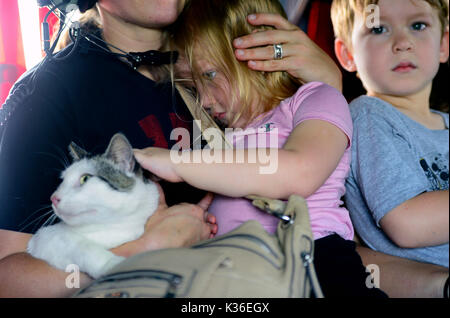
(404,67)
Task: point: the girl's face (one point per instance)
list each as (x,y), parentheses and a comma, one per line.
(216,96)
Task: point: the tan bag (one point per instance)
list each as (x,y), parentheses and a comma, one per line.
(246,263)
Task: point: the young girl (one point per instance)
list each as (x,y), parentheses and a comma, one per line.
(311,124)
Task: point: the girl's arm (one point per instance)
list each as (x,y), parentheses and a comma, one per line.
(311,153)
(420,221)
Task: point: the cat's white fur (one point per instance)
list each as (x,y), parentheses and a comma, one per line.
(95,219)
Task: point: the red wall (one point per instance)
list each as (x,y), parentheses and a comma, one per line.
(12,59)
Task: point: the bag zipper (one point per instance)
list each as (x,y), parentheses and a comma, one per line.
(249,237)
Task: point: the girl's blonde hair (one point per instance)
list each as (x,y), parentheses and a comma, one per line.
(211,26)
(343,15)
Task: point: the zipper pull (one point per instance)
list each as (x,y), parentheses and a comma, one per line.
(173,285)
(307,259)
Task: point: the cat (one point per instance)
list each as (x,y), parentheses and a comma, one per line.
(103,202)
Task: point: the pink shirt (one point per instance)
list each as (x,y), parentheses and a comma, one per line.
(312,101)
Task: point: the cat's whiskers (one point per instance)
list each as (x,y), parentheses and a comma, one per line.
(50,220)
(45,206)
(61,158)
(64,157)
(46,214)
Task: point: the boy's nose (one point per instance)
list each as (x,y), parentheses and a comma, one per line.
(402,44)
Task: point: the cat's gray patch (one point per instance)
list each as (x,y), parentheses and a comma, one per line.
(113,176)
(114,164)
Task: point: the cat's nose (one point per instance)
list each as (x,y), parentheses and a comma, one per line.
(55,200)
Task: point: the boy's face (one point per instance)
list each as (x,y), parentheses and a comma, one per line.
(402,55)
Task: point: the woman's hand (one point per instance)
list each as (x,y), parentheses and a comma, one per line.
(180,225)
(159,162)
(302,58)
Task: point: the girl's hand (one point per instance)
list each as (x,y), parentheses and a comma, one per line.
(158,161)
(302,58)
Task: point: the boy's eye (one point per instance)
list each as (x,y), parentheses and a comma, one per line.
(418,26)
(84,178)
(378,30)
(210,74)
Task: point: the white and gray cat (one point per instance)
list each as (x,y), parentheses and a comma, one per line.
(103,202)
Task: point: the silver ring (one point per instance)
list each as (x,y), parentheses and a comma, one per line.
(277,51)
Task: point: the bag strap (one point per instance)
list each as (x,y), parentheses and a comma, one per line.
(294,212)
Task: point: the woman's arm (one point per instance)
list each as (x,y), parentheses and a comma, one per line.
(21,275)
(310,155)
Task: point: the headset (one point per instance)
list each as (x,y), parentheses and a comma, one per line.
(64,6)
(82,5)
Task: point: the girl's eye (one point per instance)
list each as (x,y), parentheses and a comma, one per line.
(84,178)
(378,30)
(418,26)
(210,74)
(208,110)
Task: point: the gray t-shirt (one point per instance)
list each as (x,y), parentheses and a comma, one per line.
(394,159)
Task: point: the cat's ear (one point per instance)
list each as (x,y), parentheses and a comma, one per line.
(121,153)
(76,152)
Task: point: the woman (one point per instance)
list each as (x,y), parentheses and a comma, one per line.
(87,98)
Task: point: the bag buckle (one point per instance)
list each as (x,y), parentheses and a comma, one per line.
(286,219)
(273,207)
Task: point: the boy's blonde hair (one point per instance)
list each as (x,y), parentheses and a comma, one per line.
(211,26)
(343,15)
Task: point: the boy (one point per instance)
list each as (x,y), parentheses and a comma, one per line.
(397,190)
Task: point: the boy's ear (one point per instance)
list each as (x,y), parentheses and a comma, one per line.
(344,55)
(444,47)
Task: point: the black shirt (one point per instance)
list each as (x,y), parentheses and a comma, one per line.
(86,98)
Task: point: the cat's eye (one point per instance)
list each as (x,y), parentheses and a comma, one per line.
(84,178)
